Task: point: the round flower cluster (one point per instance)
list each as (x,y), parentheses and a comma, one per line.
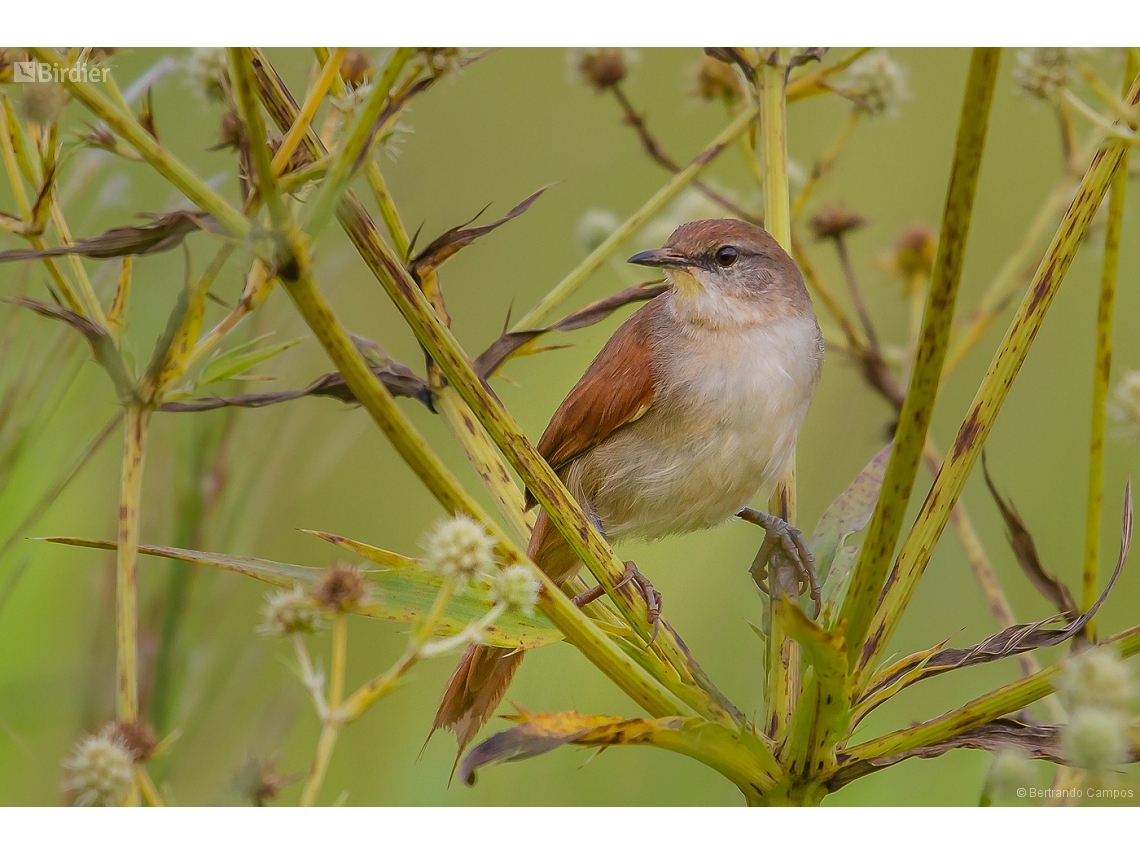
(1125,406)
(290,612)
(1099,690)
(516,587)
(99,771)
(460,548)
(1041,72)
(878,82)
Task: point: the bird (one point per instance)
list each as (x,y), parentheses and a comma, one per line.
(692,407)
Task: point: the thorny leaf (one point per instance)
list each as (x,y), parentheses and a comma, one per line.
(847,515)
(807,55)
(159,235)
(1011,641)
(1041,742)
(454,239)
(398,379)
(491,359)
(1024,547)
(102,343)
(237,360)
(403,596)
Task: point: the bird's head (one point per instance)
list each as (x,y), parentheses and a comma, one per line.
(728,272)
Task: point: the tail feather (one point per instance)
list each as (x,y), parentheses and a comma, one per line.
(483,674)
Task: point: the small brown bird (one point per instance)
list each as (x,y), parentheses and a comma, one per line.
(691,408)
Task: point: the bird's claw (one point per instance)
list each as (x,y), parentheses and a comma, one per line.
(779,534)
(651,595)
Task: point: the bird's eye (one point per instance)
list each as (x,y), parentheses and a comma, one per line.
(726,256)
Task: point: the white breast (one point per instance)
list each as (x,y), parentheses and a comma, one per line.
(722,426)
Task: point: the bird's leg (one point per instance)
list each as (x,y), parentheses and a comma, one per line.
(632,574)
(780,534)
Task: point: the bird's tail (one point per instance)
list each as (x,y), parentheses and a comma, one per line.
(484,673)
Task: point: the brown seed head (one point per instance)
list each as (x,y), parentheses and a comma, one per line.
(833,222)
(603,67)
(341,588)
(356,68)
(257,780)
(717,81)
(914,251)
(136,736)
(231,134)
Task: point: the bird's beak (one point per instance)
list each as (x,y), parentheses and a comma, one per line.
(663,257)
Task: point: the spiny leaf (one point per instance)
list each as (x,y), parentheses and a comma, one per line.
(1024,547)
(515,343)
(398,596)
(102,343)
(159,235)
(1012,640)
(454,239)
(233,362)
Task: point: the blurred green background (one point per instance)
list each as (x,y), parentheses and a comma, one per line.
(514,121)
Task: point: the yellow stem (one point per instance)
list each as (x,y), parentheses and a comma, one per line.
(127,606)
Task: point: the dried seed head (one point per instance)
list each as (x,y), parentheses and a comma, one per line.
(596,225)
(460,548)
(209,72)
(834,222)
(341,588)
(1096,739)
(231,133)
(290,612)
(516,587)
(1011,770)
(878,82)
(136,736)
(1041,72)
(1098,677)
(1125,405)
(914,251)
(99,771)
(601,67)
(440,61)
(356,69)
(717,81)
(42,103)
(257,781)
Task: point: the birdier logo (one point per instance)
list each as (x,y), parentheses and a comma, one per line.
(50,72)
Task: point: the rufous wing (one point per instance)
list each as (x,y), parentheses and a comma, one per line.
(616,389)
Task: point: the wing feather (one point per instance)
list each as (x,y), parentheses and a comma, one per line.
(617,388)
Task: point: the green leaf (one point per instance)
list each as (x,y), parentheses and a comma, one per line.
(847,515)
(403,594)
(227,365)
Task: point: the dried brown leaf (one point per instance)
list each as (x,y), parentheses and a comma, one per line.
(491,359)
(1024,547)
(159,235)
(454,239)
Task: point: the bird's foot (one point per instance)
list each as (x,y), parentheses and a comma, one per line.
(632,574)
(779,534)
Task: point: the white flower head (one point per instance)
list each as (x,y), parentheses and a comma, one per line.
(1041,72)
(596,225)
(99,771)
(460,548)
(290,612)
(1096,739)
(879,82)
(209,71)
(1011,770)
(1125,405)
(516,587)
(1098,677)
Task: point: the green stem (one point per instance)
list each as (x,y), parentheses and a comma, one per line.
(165,163)
(910,435)
(126,589)
(1102,372)
(1007,362)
